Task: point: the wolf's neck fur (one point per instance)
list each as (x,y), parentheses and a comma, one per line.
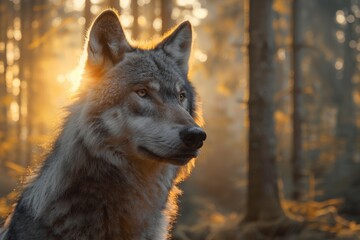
(123,199)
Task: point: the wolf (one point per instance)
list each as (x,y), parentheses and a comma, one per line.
(130,136)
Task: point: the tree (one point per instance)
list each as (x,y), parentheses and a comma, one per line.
(135,13)
(3,62)
(87,15)
(115,4)
(346,129)
(263,201)
(297,150)
(166,9)
(26,65)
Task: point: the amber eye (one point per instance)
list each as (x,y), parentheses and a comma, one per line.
(182,96)
(141,92)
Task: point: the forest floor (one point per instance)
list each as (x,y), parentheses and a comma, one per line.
(306,221)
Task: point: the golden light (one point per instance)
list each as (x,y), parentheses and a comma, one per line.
(157,24)
(17,30)
(200,12)
(16,83)
(10,33)
(142,21)
(16,53)
(95,9)
(16,87)
(126,20)
(78,4)
(125,3)
(340,17)
(2,67)
(2,46)
(10,53)
(81,20)
(35,24)
(15,70)
(184,3)
(175,13)
(199,55)
(56,22)
(74,78)
(356,97)
(339,64)
(95,1)
(14,111)
(281,54)
(143,2)
(340,36)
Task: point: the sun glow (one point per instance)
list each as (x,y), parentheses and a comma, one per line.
(72,78)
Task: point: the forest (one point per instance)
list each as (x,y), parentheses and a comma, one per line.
(279,82)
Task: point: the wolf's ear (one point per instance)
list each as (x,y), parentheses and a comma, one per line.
(178,44)
(106,40)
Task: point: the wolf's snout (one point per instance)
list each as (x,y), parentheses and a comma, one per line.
(193,137)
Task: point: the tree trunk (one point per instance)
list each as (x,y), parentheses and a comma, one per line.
(166,9)
(115,4)
(346,119)
(87,16)
(297,151)
(263,201)
(3,88)
(135,13)
(25,74)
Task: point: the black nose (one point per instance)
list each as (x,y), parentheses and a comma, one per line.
(193,137)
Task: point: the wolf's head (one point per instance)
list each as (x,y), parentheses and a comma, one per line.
(137,101)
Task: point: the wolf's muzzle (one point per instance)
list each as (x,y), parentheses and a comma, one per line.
(193,137)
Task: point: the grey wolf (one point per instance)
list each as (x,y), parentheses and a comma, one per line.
(129,138)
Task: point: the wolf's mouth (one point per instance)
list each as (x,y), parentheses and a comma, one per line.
(176,159)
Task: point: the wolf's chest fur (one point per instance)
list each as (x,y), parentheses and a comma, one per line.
(96,200)
(115,205)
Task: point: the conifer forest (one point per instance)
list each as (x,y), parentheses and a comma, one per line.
(279,85)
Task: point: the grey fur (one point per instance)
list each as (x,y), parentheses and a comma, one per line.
(112,172)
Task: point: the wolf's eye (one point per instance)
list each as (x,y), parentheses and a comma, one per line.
(141,92)
(182,96)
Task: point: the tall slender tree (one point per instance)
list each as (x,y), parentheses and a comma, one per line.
(87,15)
(166,9)
(135,13)
(115,4)
(346,119)
(297,149)
(3,89)
(263,201)
(25,66)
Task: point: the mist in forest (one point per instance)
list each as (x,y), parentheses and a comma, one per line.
(279,83)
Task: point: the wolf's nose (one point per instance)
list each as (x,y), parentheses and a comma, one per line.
(193,137)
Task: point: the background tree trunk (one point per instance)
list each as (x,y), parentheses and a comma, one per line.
(346,129)
(166,9)
(25,73)
(115,4)
(87,16)
(262,198)
(3,89)
(297,150)
(135,13)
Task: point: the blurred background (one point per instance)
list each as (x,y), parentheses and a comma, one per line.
(318,168)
